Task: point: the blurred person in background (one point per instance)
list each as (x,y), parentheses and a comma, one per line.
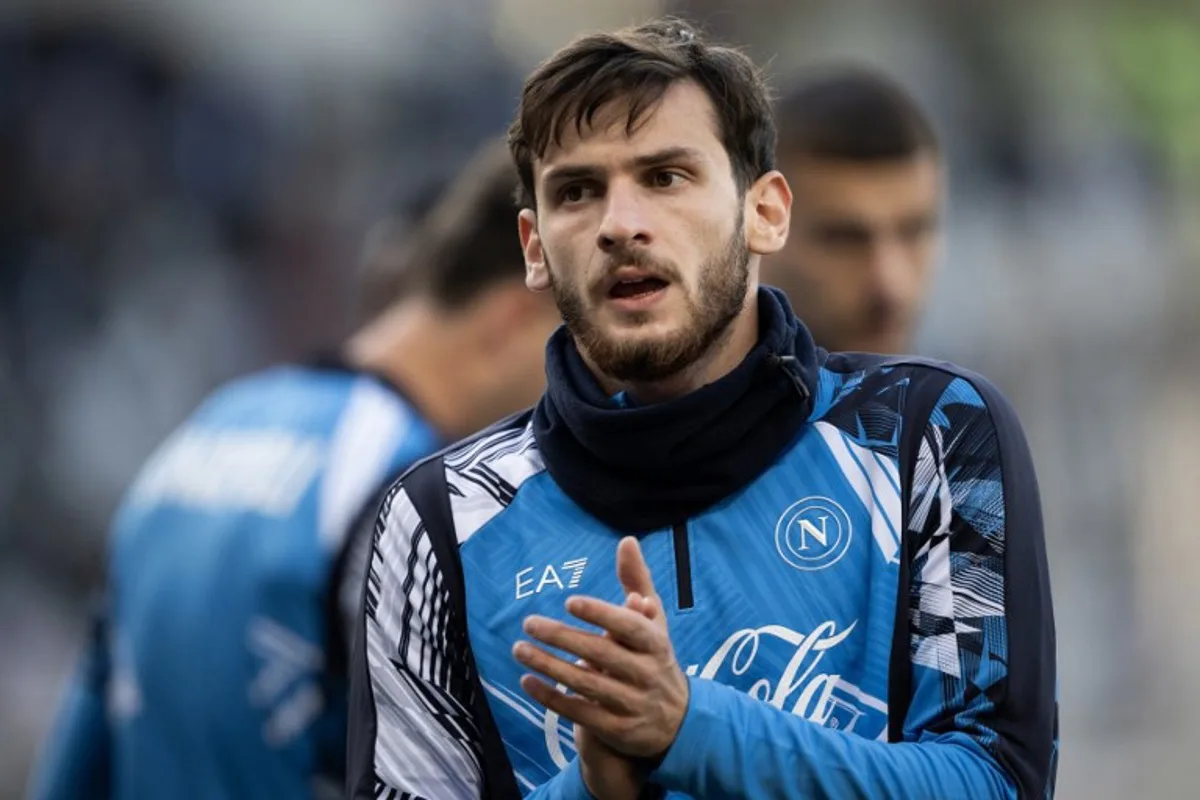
(863,163)
(217,667)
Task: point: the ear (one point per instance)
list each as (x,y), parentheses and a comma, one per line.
(537,276)
(768,213)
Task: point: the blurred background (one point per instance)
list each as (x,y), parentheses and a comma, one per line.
(188,189)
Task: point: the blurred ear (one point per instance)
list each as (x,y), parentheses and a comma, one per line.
(537,277)
(768,213)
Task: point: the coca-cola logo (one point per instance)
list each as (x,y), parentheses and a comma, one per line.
(801,688)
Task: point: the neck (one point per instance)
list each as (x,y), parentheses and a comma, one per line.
(721,359)
(411,344)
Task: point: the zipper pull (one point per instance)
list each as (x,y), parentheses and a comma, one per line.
(791,368)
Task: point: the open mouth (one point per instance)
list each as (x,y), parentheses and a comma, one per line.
(636,287)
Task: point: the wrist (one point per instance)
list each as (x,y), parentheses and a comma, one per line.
(654,762)
(611,781)
(692,743)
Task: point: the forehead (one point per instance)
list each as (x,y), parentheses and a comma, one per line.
(684,118)
(881,189)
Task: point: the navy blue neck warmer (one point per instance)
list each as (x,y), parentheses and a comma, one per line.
(648,467)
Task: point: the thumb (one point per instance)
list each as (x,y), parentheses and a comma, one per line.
(645,606)
(632,571)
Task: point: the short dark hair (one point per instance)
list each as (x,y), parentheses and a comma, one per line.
(464,245)
(852,112)
(640,64)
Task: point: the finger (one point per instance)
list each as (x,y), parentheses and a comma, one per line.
(642,605)
(632,571)
(629,627)
(602,653)
(577,709)
(593,685)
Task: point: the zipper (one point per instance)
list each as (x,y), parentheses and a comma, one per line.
(791,369)
(683,566)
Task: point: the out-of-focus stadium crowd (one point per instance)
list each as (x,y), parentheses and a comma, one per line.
(191,192)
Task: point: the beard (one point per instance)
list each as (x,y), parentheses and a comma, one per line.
(720,296)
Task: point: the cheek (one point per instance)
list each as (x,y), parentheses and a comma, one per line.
(922,263)
(567,251)
(926,258)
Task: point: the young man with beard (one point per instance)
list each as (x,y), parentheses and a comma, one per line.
(220,669)
(866,175)
(742,566)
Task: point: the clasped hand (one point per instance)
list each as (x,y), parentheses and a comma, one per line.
(627,689)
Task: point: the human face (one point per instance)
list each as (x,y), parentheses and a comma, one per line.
(858,264)
(644,239)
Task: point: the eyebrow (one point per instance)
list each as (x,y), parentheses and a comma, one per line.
(668,155)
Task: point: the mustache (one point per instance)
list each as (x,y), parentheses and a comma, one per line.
(624,256)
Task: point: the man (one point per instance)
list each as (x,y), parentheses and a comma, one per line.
(830,572)
(865,170)
(233,568)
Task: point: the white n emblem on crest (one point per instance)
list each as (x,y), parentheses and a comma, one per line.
(808,529)
(813,533)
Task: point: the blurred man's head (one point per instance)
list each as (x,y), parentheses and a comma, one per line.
(866,175)
(647,163)
(387,274)
(450,302)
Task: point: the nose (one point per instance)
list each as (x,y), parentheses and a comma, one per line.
(891,269)
(625,222)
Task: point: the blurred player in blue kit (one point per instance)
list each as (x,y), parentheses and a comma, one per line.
(218,667)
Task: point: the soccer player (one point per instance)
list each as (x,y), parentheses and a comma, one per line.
(713,560)
(865,170)
(233,566)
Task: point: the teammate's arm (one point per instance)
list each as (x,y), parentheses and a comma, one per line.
(981,719)
(75,760)
(412,731)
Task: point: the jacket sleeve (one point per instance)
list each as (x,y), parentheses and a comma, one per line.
(412,731)
(982,715)
(75,758)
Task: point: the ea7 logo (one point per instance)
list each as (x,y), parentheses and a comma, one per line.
(572,571)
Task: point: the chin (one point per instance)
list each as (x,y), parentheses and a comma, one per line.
(644,329)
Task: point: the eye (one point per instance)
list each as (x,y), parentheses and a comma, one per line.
(666,179)
(575,193)
(842,235)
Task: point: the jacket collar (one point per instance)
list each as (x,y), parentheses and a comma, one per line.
(641,468)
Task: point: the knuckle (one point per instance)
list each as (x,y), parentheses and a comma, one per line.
(590,683)
(610,728)
(627,703)
(589,648)
(625,727)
